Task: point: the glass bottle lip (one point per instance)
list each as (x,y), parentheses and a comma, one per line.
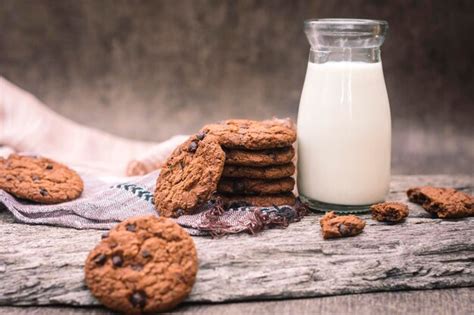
(345,33)
(347,27)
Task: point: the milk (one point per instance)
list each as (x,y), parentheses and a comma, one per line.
(344,134)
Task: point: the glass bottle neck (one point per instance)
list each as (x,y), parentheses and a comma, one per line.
(323,54)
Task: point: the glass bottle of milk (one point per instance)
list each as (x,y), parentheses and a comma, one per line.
(344,126)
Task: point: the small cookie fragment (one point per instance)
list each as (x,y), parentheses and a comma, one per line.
(333,226)
(267,172)
(268,157)
(253,135)
(445,203)
(39,179)
(389,212)
(144,264)
(189,176)
(248,186)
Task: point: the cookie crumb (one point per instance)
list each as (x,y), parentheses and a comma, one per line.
(393,212)
(334,226)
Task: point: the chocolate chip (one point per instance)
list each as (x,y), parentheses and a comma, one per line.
(137,267)
(146,254)
(43,192)
(344,229)
(117,261)
(49,167)
(192,146)
(179,212)
(105,235)
(100,259)
(35,178)
(201,135)
(391,214)
(131,227)
(138,299)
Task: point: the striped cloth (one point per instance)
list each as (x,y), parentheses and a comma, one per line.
(107,201)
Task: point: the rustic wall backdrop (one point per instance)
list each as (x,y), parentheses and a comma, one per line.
(150,69)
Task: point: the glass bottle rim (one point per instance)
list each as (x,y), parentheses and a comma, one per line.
(347,26)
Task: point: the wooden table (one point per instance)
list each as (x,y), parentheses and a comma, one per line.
(42,265)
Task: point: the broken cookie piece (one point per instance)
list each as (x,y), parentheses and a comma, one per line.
(445,203)
(334,226)
(392,212)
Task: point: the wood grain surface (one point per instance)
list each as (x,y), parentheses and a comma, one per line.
(42,265)
(426,302)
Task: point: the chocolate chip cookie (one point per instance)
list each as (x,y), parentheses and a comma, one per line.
(253,135)
(39,179)
(392,212)
(248,186)
(234,201)
(266,172)
(277,156)
(144,264)
(334,226)
(189,176)
(444,203)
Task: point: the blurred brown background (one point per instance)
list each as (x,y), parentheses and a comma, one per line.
(151,69)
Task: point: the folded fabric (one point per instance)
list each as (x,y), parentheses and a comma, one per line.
(109,200)
(5,151)
(28,125)
(153,158)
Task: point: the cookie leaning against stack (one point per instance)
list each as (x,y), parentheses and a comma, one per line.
(258,165)
(189,176)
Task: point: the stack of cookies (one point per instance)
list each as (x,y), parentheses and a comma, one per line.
(244,162)
(258,166)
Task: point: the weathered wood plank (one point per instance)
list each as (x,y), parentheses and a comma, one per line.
(458,301)
(41,265)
